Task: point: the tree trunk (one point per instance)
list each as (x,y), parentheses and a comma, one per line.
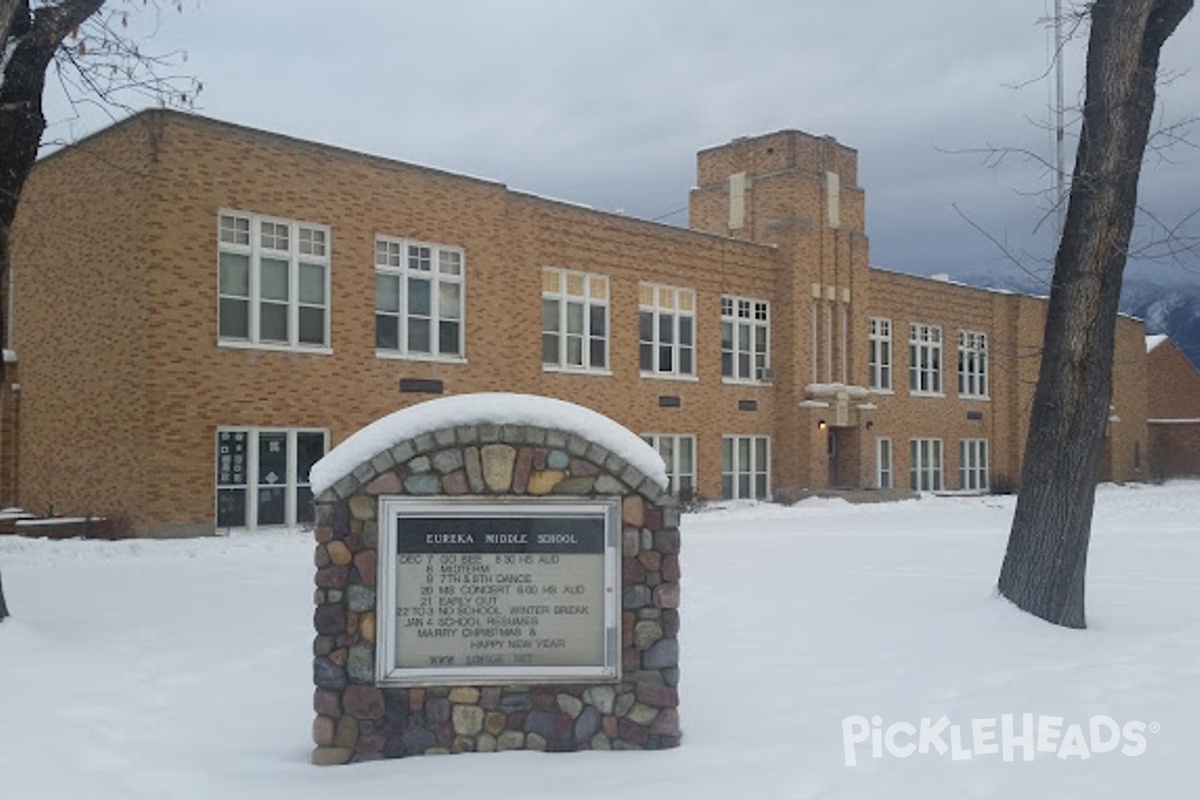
(3,605)
(28,39)
(1046,561)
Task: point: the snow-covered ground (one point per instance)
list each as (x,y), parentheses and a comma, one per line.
(181,669)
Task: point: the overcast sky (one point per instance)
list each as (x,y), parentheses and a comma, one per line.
(606,102)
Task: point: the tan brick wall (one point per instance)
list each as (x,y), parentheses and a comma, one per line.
(1014,325)
(903,416)
(1173,393)
(1173,384)
(80,279)
(1127,439)
(1175,449)
(189,386)
(129,388)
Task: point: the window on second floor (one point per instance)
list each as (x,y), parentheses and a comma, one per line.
(666,330)
(418,299)
(924,359)
(574,320)
(745,339)
(972,364)
(879,354)
(272,282)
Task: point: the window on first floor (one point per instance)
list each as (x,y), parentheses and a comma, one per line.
(883,462)
(272,282)
(418,299)
(678,452)
(973,464)
(745,467)
(262,476)
(925,465)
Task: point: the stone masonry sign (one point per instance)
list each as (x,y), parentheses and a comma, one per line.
(494,572)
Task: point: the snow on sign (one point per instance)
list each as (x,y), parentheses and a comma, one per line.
(484,592)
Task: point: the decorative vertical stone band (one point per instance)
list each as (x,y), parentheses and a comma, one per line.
(358,720)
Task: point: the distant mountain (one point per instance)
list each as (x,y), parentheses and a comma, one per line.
(1173,309)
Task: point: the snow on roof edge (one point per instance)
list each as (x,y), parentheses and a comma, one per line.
(1154,341)
(496,408)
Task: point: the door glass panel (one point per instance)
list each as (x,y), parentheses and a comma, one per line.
(271,507)
(272,458)
(304,505)
(231,508)
(310,448)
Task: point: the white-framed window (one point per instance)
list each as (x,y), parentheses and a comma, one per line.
(678,452)
(262,475)
(419,299)
(666,330)
(272,282)
(973,464)
(745,339)
(924,359)
(879,353)
(925,464)
(972,364)
(574,320)
(883,462)
(746,467)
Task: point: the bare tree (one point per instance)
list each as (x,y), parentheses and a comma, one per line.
(84,44)
(1046,561)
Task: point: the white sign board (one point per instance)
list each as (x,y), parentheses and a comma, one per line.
(479,591)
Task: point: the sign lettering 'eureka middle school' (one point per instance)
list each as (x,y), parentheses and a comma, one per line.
(483,592)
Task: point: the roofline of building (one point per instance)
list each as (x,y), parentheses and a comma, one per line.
(984,289)
(780,132)
(345,152)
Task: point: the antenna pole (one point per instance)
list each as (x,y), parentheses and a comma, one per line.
(1060,181)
